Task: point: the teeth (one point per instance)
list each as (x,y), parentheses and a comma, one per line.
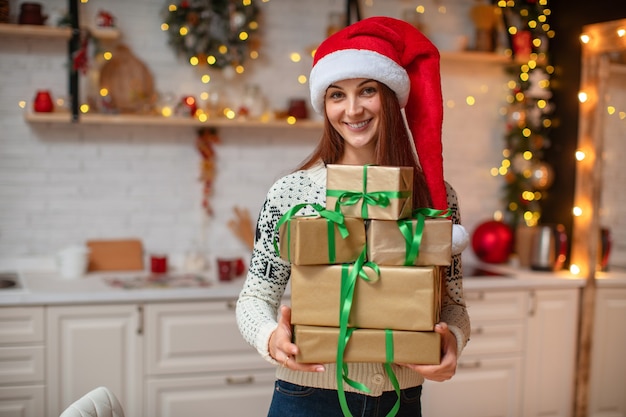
(357,125)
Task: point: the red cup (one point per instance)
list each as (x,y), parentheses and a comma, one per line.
(229,268)
(158,264)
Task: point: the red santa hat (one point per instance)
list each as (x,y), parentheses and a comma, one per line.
(398,55)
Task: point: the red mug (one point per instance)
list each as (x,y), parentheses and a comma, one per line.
(158,264)
(229,268)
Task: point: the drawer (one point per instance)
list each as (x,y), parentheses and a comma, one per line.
(23,401)
(21,364)
(21,325)
(494,339)
(224,395)
(196,337)
(496,305)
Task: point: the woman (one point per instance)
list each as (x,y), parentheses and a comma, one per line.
(361,79)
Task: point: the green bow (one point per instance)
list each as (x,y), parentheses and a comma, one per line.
(413,240)
(374,198)
(333,219)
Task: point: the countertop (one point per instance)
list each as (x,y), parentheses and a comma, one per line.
(45,287)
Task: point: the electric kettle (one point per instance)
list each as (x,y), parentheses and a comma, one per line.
(548,249)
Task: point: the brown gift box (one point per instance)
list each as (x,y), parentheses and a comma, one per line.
(307,243)
(341,178)
(387,246)
(403,298)
(319,345)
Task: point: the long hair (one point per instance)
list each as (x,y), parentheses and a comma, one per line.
(394,146)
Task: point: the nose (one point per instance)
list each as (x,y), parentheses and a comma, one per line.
(354,106)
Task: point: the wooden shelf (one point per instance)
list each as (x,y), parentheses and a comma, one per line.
(104,34)
(35,31)
(151,120)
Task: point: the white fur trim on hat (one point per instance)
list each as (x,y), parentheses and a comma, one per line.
(347,64)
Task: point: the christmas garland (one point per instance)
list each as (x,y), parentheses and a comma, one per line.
(217,32)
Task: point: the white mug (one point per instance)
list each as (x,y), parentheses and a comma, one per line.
(72,262)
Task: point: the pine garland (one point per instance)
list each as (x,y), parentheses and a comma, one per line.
(214,32)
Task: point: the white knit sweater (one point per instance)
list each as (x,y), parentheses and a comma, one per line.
(268,276)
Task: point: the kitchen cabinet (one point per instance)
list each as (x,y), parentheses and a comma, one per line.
(22,385)
(550,358)
(159,359)
(607,380)
(522,349)
(91,346)
(196,360)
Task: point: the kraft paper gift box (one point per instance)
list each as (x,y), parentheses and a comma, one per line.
(403,298)
(348,183)
(318,344)
(387,245)
(315,240)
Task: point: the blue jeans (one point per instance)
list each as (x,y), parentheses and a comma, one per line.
(291,400)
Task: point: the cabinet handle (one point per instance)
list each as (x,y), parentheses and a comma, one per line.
(247,380)
(140,320)
(470,365)
(231,304)
(478,330)
(532,304)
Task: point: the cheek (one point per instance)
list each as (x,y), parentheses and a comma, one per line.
(333,111)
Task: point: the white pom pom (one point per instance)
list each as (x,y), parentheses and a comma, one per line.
(460,239)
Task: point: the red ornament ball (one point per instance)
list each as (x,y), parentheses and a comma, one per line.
(492,242)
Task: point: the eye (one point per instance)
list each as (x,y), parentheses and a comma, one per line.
(334,94)
(369,90)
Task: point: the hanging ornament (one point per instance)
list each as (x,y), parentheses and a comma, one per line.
(492,242)
(213,32)
(542,176)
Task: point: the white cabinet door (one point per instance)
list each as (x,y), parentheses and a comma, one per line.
(235,394)
(551,347)
(607,397)
(480,388)
(196,337)
(91,346)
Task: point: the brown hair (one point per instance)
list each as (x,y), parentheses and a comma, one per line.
(393,146)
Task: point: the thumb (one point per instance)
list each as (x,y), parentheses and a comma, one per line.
(285,315)
(441,328)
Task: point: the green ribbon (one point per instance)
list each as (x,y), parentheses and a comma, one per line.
(374,198)
(348,283)
(333,219)
(389,369)
(413,239)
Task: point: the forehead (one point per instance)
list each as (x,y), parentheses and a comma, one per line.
(351,82)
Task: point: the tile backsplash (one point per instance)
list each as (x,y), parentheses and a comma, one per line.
(63,184)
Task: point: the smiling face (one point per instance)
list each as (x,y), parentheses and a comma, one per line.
(353,108)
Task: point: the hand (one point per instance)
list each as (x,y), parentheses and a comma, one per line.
(447,368)
(242,227)
(281,348)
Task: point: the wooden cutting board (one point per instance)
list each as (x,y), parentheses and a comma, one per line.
(115,255)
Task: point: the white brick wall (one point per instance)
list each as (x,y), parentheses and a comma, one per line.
(63,184)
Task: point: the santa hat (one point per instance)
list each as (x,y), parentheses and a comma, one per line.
(398,55)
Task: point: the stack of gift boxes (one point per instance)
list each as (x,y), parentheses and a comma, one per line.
(369,263)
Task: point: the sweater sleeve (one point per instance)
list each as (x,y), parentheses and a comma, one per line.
(454,311)
(268,274)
